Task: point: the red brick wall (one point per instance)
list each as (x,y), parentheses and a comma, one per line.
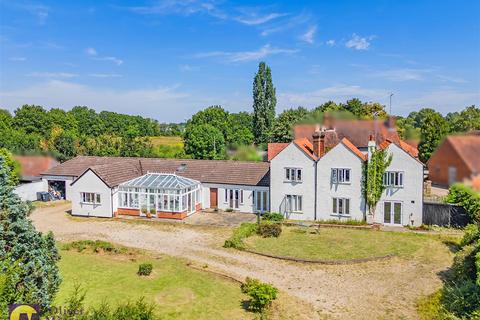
(128,212)
(445,156)
(172,215)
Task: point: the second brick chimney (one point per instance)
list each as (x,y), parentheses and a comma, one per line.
(318,139)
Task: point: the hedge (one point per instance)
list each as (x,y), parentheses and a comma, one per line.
(466,197)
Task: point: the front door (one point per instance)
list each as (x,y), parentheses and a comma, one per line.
(213,198)
(392,213)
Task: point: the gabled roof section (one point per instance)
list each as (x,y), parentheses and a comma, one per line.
(468,148)
(402,145)
(306,146)
(354,149)
(274,149)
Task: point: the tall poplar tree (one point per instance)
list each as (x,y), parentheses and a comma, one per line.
(264,102)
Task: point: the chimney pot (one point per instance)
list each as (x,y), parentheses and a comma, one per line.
(319,143)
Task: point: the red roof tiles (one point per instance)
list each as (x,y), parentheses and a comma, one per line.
(33,166)
(274,149)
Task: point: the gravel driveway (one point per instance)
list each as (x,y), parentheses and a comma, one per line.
(373,290)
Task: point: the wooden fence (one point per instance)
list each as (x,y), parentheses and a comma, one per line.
(444,214)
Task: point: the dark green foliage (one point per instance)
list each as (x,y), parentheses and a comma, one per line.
(433,129)
(145,269)
(204,142)
(261,294)
(269,229)
(12,165)
(467,198)
(33,256)
(32,119)
(464,267)
(466,120)
(283,127)
(245,230)
(462,299)
(264,103)
(272,216)
(94,246)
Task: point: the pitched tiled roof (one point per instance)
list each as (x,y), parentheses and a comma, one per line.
(468,148)
(356,131)
(33,166)
(402,145)
(115,170)
(275,148)
(306,146)
(354,149)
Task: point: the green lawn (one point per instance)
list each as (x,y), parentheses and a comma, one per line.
(179,291)
(172,141)
(337,243)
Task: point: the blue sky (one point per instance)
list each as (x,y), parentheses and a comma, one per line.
(168,59)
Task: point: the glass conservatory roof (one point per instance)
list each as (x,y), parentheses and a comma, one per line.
(160,181)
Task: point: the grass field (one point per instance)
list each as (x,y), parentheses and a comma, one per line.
(180,292)
(338,244)
(172,141)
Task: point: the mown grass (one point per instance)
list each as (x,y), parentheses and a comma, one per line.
(338,244)
(172,141)
(178,291)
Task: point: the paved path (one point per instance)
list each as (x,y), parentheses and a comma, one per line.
(373,290)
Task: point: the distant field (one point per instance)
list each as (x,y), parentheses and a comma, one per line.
(172,141)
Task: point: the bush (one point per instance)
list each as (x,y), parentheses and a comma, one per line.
(245,230)
(96,246)
(462,299)
(463,267)
(229,210)
(467,198)
(472,234)
(261,294)
(272,216)
(145,269)
(267,230)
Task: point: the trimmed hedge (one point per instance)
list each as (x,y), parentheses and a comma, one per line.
(466,197)
(268,229)
(245,230)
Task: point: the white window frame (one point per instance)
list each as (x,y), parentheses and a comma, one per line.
(395,179)
(90,198)
(293,174)
(294,203)
(231,191)
(340,175)
(340,203)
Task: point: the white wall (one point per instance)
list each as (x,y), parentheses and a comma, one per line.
(289,157)
(339,157)
(246,206)
(28,191)
(89,182)
(411,195)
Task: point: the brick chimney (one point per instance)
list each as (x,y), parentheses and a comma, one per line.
(318,139)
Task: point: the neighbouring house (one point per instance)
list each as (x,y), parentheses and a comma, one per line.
(168,188)
(31,180)
(320,177)
(457,159)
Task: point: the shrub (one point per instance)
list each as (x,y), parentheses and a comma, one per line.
(153,211)
(472,234)
(96,246)
(145,269)
(229,210)
(267,230)
(272,216)
(261,294)
(467,198)
(462,299)
(463,267)
(245,230)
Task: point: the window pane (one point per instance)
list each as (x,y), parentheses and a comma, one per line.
(299,203)
(98,198)
(387,209)
(335,205)
(397,213)
(347,206)
(287,174)
(334,175)
(340,206)
(347,175)
(299,175)
(226,195)
(401,178)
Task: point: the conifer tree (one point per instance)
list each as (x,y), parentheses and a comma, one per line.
(264,103)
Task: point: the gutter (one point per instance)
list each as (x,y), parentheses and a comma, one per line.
(315,196)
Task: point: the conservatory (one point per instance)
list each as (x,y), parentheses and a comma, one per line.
(162,195)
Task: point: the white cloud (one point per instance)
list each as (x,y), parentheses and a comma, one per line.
(443,100)
(18,59)
(359,43)
(182,7)
(406,74)
(309,36)
(244,56)
(52,75)
(292,22)
(330,43)
(92,52)
(256,19)
(105,75)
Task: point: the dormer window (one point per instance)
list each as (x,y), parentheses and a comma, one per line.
(293,174)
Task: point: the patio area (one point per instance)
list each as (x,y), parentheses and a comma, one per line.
(220,218)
